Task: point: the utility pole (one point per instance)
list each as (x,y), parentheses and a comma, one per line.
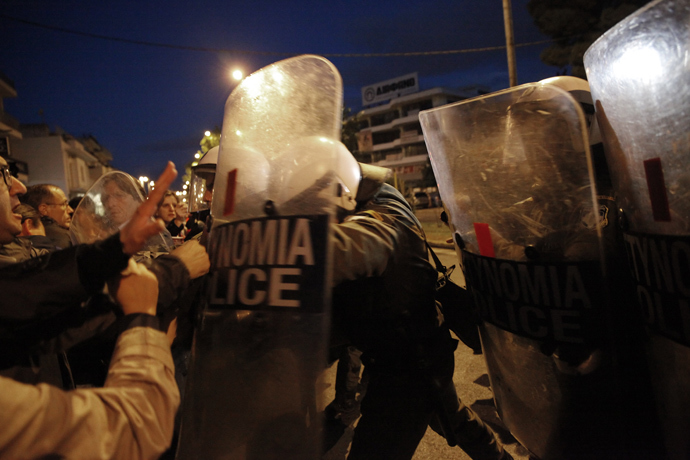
(510,41)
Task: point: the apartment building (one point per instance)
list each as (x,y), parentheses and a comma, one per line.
(57,157)
(38,155)
(9,130)
(390,134)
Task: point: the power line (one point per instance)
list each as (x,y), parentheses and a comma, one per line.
(262,53)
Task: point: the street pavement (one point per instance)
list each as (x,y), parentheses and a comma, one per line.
(471,378)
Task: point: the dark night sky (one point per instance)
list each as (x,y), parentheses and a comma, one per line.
(148,104)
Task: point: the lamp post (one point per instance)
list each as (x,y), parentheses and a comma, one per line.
(510,41)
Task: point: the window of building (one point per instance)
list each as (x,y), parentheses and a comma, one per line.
(72,175)
(384,118)
(415,149)
(416,107)
(385,137)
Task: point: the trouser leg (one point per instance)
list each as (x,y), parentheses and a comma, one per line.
(470,433)
(395,414)
(347,377)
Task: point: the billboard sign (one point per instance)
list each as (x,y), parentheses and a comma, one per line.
(389,89)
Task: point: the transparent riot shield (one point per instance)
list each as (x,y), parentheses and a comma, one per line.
(638,73)
(106,207)
(201,181)
(260,345)
(514,172)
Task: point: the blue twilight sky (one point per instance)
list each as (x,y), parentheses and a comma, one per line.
(148,104)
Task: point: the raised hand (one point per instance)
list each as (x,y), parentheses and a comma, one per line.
(142,226)
(194,257)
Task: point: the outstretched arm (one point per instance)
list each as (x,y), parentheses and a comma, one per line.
(131,418)
(43,296)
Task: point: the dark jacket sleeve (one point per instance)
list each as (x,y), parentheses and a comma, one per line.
(173,281)
(364,243)
(43,296)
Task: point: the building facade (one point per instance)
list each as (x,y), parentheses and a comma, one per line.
(390,134)
(9,130)
(37,155)
(56,157)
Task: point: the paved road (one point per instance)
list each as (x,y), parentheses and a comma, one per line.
(472,383)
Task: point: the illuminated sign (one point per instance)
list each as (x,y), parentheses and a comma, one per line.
(389,89)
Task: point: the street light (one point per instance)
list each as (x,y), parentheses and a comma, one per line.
(143,180)
(237,75)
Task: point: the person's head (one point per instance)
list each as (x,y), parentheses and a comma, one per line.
(120,198)
(167,208)
(182,211)
(74,202)
(10,189)
(50,201)
(31,221)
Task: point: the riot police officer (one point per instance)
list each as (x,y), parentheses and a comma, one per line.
(383,302)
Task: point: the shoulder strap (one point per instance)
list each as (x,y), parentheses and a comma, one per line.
(439,266)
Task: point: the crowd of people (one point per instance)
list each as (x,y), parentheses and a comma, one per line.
(49,300)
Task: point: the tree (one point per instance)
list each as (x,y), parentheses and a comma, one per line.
(575,25)
(211,140)
(350,130)
(206,143)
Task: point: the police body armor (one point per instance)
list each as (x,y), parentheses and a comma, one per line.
(638,73)
(261,340)
(515,173)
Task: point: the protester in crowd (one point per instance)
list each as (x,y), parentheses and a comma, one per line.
(166,208)
(33,229)
(133,416)
(31,242)
(37,367)
(120,195)
(52,204)
(174,214)
(74,202)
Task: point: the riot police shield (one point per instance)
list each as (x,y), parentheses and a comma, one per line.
(515,174)
(201,181)
(639,72)
(260,344)
(106,207)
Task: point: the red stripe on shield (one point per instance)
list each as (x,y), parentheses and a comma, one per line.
(229,207)
(657,190)
(486,245)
